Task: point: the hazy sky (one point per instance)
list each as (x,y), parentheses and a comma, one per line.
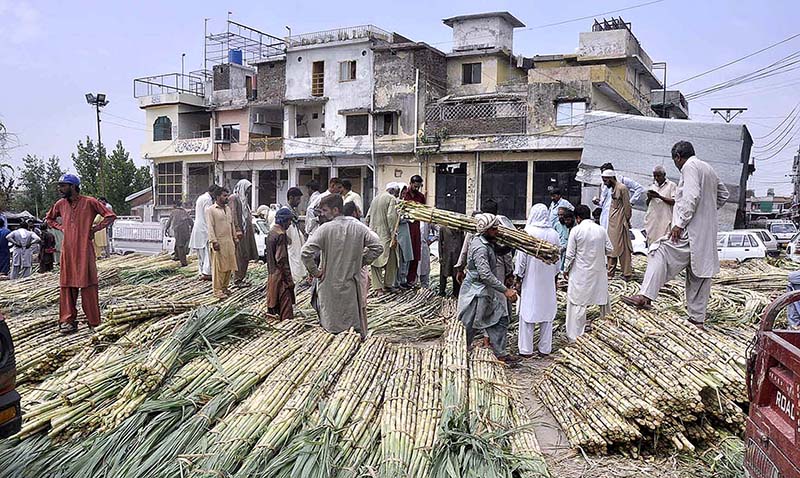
(53,52)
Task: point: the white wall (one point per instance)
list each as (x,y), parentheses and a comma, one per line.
(491,32)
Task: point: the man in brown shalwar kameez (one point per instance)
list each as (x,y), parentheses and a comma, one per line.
(280,285)
(78,269)
(180,225)
(619,226)
(222,237)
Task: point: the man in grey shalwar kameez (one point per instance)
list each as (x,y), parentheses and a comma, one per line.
(692,243)
(478,304)
(22,255)
(345,245)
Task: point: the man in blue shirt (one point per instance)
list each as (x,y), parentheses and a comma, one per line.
(4,251)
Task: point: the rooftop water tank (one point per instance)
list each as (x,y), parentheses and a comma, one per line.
(235,56)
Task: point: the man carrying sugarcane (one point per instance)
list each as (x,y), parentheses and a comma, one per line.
(585,271)
(344,245)
(479,306)
(692,242)
(280,284)
(619,226)
(414,194)
(222,238)
(78,269)
(383,220)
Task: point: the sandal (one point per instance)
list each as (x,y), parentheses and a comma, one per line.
(68,328)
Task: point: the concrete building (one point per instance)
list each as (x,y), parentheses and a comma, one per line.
(510,128)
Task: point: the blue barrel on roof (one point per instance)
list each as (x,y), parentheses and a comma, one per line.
(235,56)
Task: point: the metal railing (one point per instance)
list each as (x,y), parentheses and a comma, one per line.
(168,83)
(340,34)
(457,111)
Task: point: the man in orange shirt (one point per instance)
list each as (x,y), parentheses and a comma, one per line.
(78,272)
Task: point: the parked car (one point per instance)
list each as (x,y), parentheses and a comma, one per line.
(639,241)
(783,230)
(740,246)
(261,230)
(10,412)
(769,240)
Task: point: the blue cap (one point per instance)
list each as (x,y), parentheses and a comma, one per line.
(283,215)
(69,179)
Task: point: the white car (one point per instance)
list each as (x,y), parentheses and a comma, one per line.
(783,230)
(639,241)
(769,240)
(260,229)
(740,246)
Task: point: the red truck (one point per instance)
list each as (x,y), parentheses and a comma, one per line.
(772,437)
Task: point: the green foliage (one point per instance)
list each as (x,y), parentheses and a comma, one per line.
(121,176)
(38,184)
(87,165)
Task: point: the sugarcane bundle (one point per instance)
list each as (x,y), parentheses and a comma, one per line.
(300,404)
(398,417)
(39,356)
(198,410)
(524,444)
(311,453)
(429,411)
(519,240)
(230,441)
(488,394)
(137,311)
(361,434)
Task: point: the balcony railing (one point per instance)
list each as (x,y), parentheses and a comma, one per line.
(340,34)
(487,117)
(260,145)
(168,83)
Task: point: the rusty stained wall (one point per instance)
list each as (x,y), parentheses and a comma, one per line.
(271,82)
(549,85)
(395,76)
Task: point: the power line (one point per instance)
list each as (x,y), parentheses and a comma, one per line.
(737,60)
(776,68)
(122,118)
(126,126)
(781,123)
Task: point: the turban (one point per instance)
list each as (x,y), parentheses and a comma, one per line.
(608,173)
(485,221)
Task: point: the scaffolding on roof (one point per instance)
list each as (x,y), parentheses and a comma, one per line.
(255,45)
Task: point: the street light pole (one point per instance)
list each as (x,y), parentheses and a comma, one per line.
(98,101)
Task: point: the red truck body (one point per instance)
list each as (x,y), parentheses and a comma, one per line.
(773,384)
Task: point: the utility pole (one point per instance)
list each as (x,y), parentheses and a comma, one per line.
(730,113)
(98,101)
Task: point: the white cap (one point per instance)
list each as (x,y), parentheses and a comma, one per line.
(608,173)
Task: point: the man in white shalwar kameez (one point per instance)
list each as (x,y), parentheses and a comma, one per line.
(585,269)
(199,238)
(537,304)
(22,255)
(296,236)
(692,243)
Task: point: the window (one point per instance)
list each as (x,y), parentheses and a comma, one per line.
(248,85)
(275,131)
(230,132)
(162,129)
(357,125)
(752,240)
(347,70)
(736,240)
(318,78)
(721,240)
(169,182)
(470,73)
(570,113)
(388,124)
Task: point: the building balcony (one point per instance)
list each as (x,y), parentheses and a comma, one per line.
(340,34)
(169,88)
(459,118)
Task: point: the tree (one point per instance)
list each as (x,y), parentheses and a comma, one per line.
(87,164)
(8,141)
(52,174)
(123,178)
(32,182)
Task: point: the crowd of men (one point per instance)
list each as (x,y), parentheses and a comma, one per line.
(344,253)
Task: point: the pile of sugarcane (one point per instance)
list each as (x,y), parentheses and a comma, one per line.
(509,237)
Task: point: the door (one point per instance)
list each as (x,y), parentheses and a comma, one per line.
(267,188)
(506,183)
(739,247)
(548,175)
(451,187)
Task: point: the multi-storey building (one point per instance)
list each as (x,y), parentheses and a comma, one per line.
(372,106)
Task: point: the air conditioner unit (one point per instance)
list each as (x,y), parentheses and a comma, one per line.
(220,136)
(261,118)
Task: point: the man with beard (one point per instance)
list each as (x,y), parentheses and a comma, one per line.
(222,238)
(78,270)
